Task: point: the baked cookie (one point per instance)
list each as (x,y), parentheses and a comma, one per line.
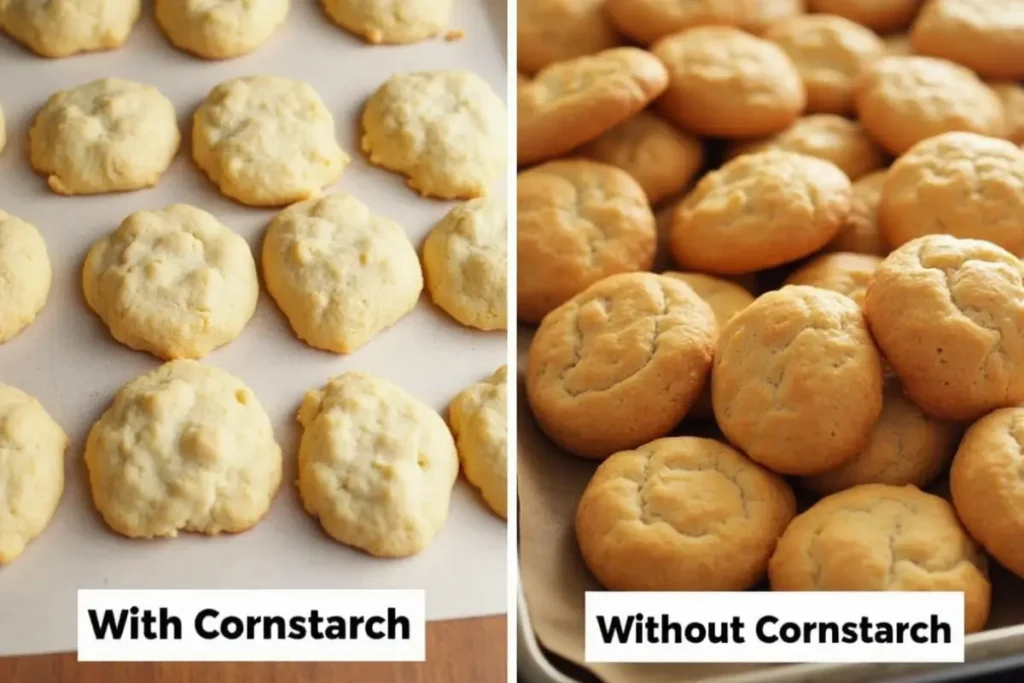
(846,273)
(443,130)
(184,447)
(681,514)
(948,314)
(759,211)
(108,135)
(1012,97)
(723,82)
(578,222)
(898,45)
(390,21)
(376,466)
(479,419)
(550,31)
(3,130)
(986,36)
(573,102)
(860,233)
(881,15)
(339,273)
(903,100)
(829,53)
(883,538)
(266,140)
(175,282)
(825,136)
(797,380)
(960,184)
(61,28)
(25,275)
(620,363)
(32,469)
(219,30)
(649,20)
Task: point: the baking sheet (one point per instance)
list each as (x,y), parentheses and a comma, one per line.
(69,362)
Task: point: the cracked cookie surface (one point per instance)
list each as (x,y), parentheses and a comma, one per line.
(61,28)
(479,419)
(648,20)
(986,36)
(25,275)
(219,29)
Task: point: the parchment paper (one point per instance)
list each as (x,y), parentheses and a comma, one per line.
(69,362)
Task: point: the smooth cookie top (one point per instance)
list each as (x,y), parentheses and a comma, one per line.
(846,273)
(390,21)
(986,36)
(883,16)
(479,419)
(648,20)
(550,31)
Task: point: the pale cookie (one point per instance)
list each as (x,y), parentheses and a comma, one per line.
(903,100)
(32,449)
(339,273)
(25,275)
(846,273)
(376,466)
(727,83)
(108,135)
(759,211)
(443,130)
(825,136)
(949,316)
(681,514)
(797,380)
(578,221)
(881,15)
(479,419)
(573,102)
(986,36)
(219,29)
(959,184)
(550,31)
(829,53)
(906,446)
(883,538)
(649,20)
(620,364)
(390,21)
(659,156)
(860,233)
(60,28)
(1012,97)
(184,447)
(175,282)
(898,45)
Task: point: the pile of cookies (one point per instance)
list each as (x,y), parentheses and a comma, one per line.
(843,195)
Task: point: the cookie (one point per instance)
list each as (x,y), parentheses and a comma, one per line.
(32,469)
(903,100)
(390,21)
(175,282)
(949,316)
(881,15)
(479,419)
(620,364)
(184,447)
(986,36)
(376,466)
(573,102)
(860,233)
(659,156)
(681,514)
(25,275)
(578,221)
(443,130)
(3,130)
(219,30)
(646,21)
(550,31)
(465,259)
(825,136)
(846,273)
(898,45)
(759,211)
(108,135)
(829,53)
(61,28)
(883,538)
(339,273)
(797,380)
(960,184)
(1012,97)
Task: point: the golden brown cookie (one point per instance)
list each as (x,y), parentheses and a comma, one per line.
(573,102)
(883,538)
(846,273)
(860,233)
(578,221)
(903,100)
(898,45)
(880,15)
(959,184)
(550,31)
(986,36)
(648,20)
(759,211)
(620,364)
(948,314)
(681,514)
(1012,97)
(797,381)
(726,83)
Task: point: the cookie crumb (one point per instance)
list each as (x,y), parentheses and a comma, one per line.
(452,36)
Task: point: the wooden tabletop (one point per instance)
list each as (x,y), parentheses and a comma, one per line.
(461,651)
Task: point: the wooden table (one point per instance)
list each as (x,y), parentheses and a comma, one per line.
(461,651)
